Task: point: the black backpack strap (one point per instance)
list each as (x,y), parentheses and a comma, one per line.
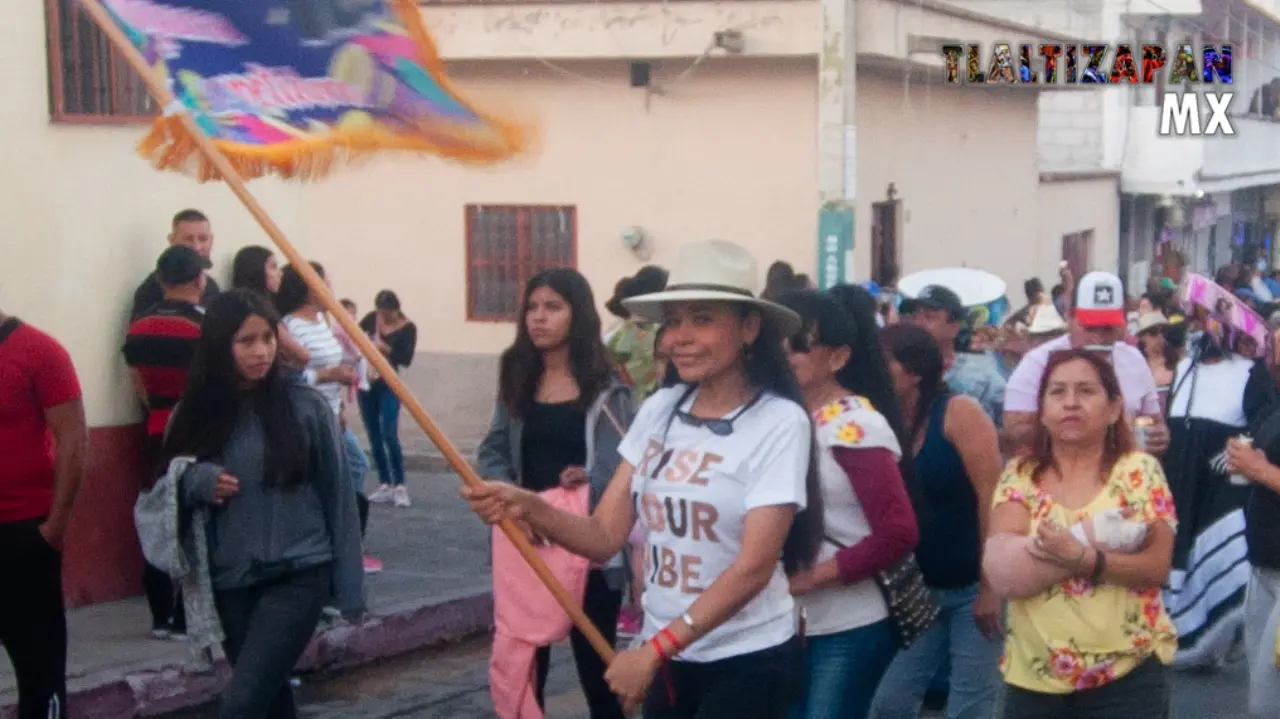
(8,327)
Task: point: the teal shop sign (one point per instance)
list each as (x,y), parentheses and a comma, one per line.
(835,245)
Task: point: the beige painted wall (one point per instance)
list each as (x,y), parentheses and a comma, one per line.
(963,163)
(1069,206)
(82,218)
(728,154)
(717,157)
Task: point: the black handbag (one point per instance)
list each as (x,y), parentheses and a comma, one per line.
(911,607)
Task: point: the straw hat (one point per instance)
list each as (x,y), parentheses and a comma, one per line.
(1151,320)
(712,270)
(1046,320)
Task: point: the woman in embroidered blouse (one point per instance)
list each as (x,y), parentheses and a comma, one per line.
(869,523)
(1097,644)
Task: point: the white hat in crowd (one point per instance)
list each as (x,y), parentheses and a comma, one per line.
(1045,320)
(1151,320)
(712,270)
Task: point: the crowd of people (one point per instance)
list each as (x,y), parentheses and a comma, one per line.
(847,504)
(795,504)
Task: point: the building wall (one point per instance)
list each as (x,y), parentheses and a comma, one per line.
(713,158)
(83,219)
(1077,205)
(963,162)
(727,154)
(1071,130)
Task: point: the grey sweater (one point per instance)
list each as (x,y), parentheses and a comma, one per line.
(264,532)
(498,456)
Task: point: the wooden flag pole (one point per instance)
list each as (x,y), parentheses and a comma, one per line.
(219,161)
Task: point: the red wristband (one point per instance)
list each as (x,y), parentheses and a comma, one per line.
(671,637)
(657,646)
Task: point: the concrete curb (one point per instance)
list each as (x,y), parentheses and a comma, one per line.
(395,630)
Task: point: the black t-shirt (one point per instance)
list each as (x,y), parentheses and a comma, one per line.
(555,437)
(402,343)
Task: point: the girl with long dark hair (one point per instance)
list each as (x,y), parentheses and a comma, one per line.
(558,423)
(870,526)
(720,468)
(1162,355)
(956,466)
(256,268)
(285,537)
(396,337)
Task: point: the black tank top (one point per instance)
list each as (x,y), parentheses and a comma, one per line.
(946,508)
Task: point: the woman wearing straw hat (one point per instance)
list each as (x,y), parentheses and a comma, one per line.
(1162,356)
(719,468)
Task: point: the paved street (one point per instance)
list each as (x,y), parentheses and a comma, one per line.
(451,683)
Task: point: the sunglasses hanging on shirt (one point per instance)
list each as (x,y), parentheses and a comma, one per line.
(719,426)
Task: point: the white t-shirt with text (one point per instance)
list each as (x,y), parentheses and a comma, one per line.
(692,490)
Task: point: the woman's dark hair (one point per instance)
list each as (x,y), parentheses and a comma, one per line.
(386,300)
(915,349)
(1171,353)
(214,397)
(249,269)
(294,291)
(521,365)
(621,291)
(1031,288)
(779,279)
(768,369)
(851,316)
(1038,455)
(646,280)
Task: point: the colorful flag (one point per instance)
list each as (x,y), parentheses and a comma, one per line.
(291,87)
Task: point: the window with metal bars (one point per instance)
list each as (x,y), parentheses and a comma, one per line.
(88,80)
(508,244)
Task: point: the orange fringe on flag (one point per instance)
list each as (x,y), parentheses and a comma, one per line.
(169,146)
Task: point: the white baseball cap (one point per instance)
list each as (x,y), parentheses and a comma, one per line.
(1100,301)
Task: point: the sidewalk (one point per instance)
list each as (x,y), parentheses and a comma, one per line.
(420,453)
(435,586)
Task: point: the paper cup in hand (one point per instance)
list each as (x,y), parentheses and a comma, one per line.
(1244,441)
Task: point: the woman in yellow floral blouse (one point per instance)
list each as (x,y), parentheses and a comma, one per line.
(1096,644)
